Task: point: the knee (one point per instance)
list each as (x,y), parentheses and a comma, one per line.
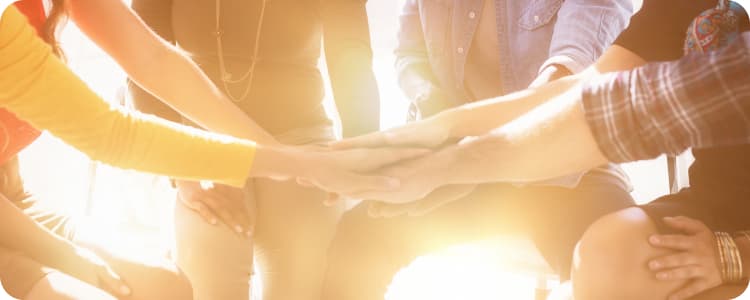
(161,283)
(152,279)
(610,261)
(177,286)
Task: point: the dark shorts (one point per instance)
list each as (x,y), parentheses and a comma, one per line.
(720,211)
(18,273)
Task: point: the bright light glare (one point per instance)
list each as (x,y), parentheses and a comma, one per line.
(131,212)
(474,271)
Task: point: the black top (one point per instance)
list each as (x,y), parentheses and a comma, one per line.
(657,33)
(287,88)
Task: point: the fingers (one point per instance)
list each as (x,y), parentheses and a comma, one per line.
(111,282)
(681,273)
(695,287)
(441,197)
(685,224)
(332,199)
(356,186)
(372,140)
(425,133)
(373,159)
(202,210)
(305,182)
(673,261)
(379,209)
(227,216)
(672,241)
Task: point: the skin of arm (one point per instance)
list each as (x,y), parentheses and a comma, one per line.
(346,37)
(477,118)
(20,233)
(147,58)
(544,129)
(485,158)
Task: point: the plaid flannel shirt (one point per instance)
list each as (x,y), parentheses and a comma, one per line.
(700,101)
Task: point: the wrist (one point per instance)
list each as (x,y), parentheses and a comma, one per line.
(730,263)
(274,162)
(453,121)
(446,167)
(742,239)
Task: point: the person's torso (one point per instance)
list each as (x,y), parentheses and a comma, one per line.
(482,79)
(284,90)
(523,31)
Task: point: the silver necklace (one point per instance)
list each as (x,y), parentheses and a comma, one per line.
(226,77)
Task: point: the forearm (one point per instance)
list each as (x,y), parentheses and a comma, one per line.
(481,117)
(161,69)
(20,233)
(550,141)
(40,89)
(743,245)
(191,94)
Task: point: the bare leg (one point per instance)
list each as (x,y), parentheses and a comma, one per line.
(28,279)
(293,233)
(58,286)
(611,262)
(150,280)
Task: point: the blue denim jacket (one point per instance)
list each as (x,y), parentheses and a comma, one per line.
(532,34)
(435,37)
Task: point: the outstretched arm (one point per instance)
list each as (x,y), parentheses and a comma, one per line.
(161,69)
(480,117)
(19,233)
(698,101)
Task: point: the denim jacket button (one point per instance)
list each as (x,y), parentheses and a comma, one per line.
(472,15)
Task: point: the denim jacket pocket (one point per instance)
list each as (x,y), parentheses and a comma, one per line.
(539,13)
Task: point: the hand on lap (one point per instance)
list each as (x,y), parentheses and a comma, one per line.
(696,257)
(219,202)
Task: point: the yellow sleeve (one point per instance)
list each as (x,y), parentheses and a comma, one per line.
(40,89)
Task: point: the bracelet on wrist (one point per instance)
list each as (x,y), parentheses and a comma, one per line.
(729,257)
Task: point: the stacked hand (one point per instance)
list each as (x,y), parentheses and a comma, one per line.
(421,189)
(400,165)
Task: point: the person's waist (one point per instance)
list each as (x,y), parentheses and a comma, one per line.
(266,64)
(613,173)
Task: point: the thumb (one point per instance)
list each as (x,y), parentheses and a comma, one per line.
(440,197)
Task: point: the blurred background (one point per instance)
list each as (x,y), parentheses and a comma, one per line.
(131,212)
